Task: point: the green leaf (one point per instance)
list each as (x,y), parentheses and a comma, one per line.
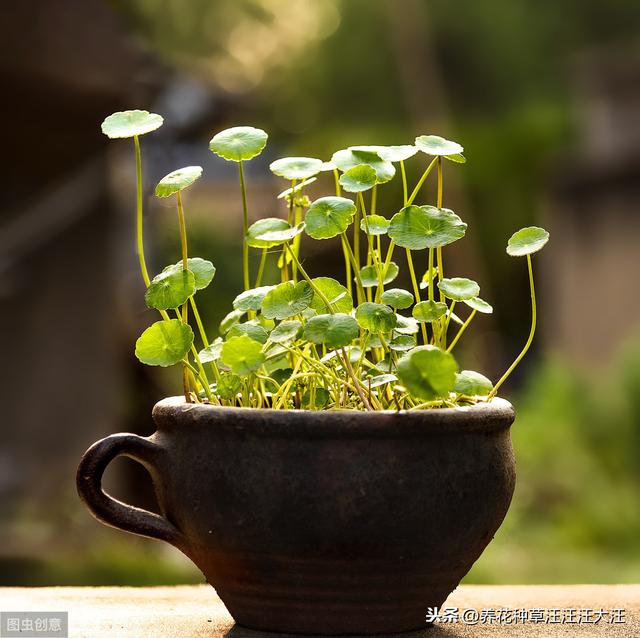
(380,379)
(397,298)
(203,270)
(275,237)
(170,289)
(286,300)
(242,354)
(296,167)
(178,180)
(251,299)
(436,145)
(377,224)
(229,320)
(297,188)
(238,143)
(396,153)
(402,343)
(472,384)
(355,156)
(480,305)
(322,397)
(427,311)
(358,179)
(329,216)
(164,343)
(252,330)
(419,227)
(527,241)
(375,317)
(459,288)
(264,227)
(337,295)
(212,352)
(334,331)
(369,275)
(406,325)
(228,387)
(458,158)
(424,282)
(286,331)
(130,123)
(428,372)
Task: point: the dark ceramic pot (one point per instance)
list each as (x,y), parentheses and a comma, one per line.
(319,522)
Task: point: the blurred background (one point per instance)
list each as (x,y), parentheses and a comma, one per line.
(545,98)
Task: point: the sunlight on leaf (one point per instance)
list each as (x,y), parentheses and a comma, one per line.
(242,354)
(178,180)
(334,331)
(419,227)
(527,241)
(164,343)
(238,143)
(459,288)
(170,289)
(129,123)
(428,372)
(329,216)
(296,167)
(286,300)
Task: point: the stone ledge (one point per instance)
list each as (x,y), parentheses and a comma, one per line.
(196,611)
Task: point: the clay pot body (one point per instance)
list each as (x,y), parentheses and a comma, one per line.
(336,522)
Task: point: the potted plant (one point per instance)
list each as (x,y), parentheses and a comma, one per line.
(328,467)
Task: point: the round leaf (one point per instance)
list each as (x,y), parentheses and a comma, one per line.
(459,288)
(275,237)
(369,275)
(527,241)
(397,298)
(228,387)
(265,226)
(238,143)
(170,289)
(380,379)
(397,153)
(285,331)
(297,188)
(242,354)
(472,384)
(296,167)
(428,372)
(427,311)
(436,145)
(334,331)
(252,330)
(406,325)
(286,300)
(329,216)
(164,343)
(480,305)
(230,320)
(402,343)
(337,295)
(419,227)
(130,123)
(251,299)
(178,180)
(375,317)
(358,179)
(202,269)
(212,352)
(377,224)
(356,156)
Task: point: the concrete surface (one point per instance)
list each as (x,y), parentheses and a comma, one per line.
(196,611)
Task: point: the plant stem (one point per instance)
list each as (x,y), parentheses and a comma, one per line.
(336,178)
(203,337)
(359,287)
(531,333)
(185,266)
(416,291)
(143,264)
(421,181)
(374,199)
(463,327)
(263,259)
(245,228)
(405,189)
(315,288)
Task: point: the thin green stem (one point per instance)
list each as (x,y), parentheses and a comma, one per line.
(416,291)
(336,178)
(374,199)
(463,327)
(532,332)
(245,228)
(303,272)
(405,188)
(356,271)
(421,181)
(263,260)
(143,264)
(203,337)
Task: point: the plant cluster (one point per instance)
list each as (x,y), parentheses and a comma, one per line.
(310,342)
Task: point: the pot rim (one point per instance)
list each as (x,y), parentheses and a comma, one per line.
(174,413)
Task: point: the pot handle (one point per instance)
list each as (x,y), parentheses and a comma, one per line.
(109,510)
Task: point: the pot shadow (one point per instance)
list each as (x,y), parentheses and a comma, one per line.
(428,632)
